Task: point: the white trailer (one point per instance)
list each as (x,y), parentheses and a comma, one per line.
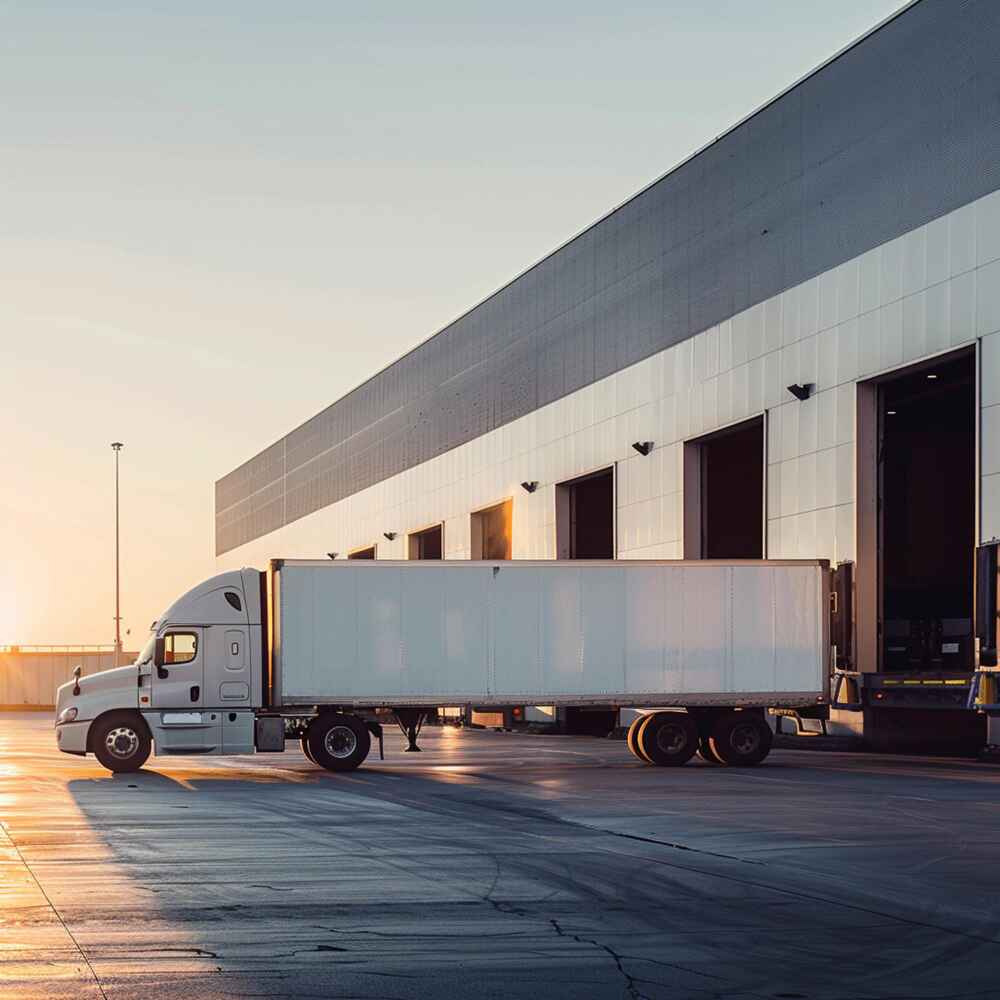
(321,650)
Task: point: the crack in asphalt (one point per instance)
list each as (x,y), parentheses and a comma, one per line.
(631,981)
(675,846)
(630,984)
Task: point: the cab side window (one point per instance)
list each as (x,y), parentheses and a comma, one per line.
(180,647)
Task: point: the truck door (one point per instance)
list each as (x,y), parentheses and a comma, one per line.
(227,666)
(179,682)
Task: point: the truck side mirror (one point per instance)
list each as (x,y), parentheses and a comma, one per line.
(160,657)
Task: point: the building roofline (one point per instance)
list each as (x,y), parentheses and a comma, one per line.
(572,239)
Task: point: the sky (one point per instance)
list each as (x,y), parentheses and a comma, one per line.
(216,218)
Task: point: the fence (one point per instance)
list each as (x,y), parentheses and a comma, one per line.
(30,675)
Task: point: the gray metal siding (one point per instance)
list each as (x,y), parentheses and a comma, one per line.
(898,130)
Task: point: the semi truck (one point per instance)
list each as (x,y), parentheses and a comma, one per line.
(323,653)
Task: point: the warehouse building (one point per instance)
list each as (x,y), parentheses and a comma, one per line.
(787,347)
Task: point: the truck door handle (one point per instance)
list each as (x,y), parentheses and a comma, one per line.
(195,692)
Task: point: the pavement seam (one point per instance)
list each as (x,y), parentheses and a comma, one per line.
(58,915)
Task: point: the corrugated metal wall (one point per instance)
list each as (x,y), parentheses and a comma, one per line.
(899,130)
(30,679)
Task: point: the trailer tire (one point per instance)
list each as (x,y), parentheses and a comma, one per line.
(707,754)
(338,742)
(668,739)
(741,739)
(632,738)
(305,749)
(121,742)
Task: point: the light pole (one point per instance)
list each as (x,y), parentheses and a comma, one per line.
(117,446)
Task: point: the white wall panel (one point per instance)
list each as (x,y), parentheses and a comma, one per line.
(891,334)
(938,251)
(915,325)
(988,300)
(990,453)
(988,228)
(962,224)
(990,521)
(870,280)
(891,273)
(990,373)
(914,261)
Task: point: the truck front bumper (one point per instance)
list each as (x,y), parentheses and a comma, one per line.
(71,737)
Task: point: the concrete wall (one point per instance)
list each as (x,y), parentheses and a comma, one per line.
(29,679)
(929,291)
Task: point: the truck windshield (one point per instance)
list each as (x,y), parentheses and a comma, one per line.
(147,651)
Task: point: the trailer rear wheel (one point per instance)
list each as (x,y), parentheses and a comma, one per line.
(632,738)
(338,742)
(668,739)
(305,749)
(707,754)
(741,738)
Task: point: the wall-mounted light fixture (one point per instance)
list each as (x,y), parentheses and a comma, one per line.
(530,487)
(643,447)
(801,392)
(389,536)
(333,555)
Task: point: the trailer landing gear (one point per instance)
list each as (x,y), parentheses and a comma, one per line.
(411,721)
(718,736)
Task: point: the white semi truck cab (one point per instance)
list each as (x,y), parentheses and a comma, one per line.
(196,687)
(321,652)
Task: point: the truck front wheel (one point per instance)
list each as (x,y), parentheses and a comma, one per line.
(121,742)
(338,742)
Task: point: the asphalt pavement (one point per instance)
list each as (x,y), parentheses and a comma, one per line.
(497,865)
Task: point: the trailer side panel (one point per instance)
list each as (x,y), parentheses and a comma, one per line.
(419,633)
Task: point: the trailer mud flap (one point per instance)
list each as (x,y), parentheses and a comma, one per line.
(375,729)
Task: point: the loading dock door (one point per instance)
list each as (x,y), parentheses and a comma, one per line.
(585,517)
(427,544)
(491,532)
(724,494)
(926,516)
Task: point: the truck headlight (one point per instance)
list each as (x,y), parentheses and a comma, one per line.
(67,715)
